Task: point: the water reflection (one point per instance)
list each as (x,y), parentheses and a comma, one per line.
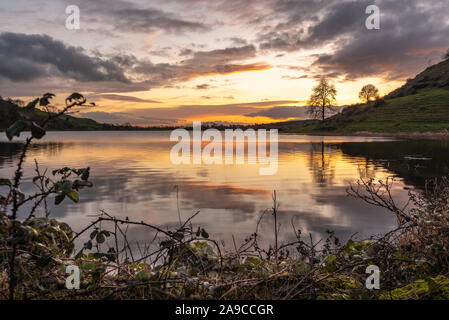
(133,177)
(322,163)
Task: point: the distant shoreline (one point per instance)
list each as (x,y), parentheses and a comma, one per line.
(442,135)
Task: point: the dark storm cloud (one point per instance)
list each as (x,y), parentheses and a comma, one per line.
(342,19)
(413,34)
(402,47)
(329,21)
(29,57)
(25,58)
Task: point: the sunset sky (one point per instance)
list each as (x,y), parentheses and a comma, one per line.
(174,61)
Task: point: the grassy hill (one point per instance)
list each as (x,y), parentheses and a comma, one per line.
(421,105)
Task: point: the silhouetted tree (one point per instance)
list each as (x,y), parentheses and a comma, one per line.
(446,56)
(368,93)
(322,99)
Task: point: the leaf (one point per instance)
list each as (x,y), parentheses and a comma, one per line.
(254,260)
(77,97)
(88,245)
(178,236)
(85,173)
(100,238)
(110,256)
(36,131)
(44,102)
(59,198)
(58,186)
(21,195)
(16,129)
(5,182)
(32,104)
(66,187)
(142,275)
(74,196)
(93,234)
(79,254)
(48,95)
(78,184)
(204,234)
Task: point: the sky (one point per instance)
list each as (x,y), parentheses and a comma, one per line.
(165,62)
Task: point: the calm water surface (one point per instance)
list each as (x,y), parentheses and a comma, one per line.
(133,177)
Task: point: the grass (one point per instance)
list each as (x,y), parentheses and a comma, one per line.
(426,111)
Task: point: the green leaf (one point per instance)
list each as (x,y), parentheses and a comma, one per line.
(36,131)
(73,195)
(93,234)
(84,173)
(88,245)
(79,184)
(100,238)
(16,129)
(79,254)
(21,196)
(204,234)
(58,186)
(59,198)
(142,275)
(66,187)
(178,236)
(5,182)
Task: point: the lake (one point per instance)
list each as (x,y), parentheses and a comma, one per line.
(134,177)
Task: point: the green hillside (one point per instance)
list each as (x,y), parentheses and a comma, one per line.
(10,112)
(421,105)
